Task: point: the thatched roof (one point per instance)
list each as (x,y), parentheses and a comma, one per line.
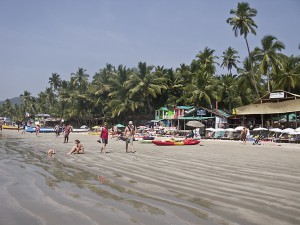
(272,103)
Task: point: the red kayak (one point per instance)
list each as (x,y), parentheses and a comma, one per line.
(173,142)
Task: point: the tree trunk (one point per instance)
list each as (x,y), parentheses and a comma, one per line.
(252,73)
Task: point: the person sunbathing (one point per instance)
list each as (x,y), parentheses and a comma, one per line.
(77,149)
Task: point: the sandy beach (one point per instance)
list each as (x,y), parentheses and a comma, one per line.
(216,182)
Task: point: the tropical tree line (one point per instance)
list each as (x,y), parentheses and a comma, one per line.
(118,93)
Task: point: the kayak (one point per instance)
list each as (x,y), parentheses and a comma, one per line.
(42,130)
(145,141)
(10,127)
(173,142)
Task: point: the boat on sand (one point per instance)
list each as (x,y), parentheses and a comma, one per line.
(42,130)
(10,127)
(176,143)
(82,129)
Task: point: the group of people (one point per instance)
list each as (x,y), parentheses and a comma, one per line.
(103,140)
(128,134)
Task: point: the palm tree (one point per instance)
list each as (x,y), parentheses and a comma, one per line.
(230,59)
(245,80)
(7,108)
(100,89)
(202,90)
(80,79)
(29,102)
(289,76)
(55,81)
(175,82)
(205,60)
(144,85)
(243,24)
(229,92)
(119,102)
(268,57)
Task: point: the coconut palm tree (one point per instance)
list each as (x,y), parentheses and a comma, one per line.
(268,57)
(7,108)
(28,102)
(229,89)
(289,77)
(206,61)
(230,59)
(119,102)
(144,85)
(245,81)
(175,82)
(203,90)
(243,24)
(80,79)
(55,81)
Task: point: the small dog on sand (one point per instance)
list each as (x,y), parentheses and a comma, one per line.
(51,151)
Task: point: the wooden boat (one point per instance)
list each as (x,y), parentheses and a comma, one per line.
(10,127)
(176,143)
(42,130)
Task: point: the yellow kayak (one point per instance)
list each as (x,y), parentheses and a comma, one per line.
(10,127)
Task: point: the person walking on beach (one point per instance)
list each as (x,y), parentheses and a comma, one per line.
(103,137)
(244,135)
(67,133)
(77,149)
(129,135)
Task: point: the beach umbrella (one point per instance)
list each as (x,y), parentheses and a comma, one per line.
(194,123)
(288,130)
(297,129)
(210,129)
(95,127)
(83,127)
(239,128)
(277,130)
(259,129)
(120,125)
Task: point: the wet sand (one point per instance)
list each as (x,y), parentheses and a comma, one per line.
(216,182)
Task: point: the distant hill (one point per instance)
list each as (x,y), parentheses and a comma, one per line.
(16,100)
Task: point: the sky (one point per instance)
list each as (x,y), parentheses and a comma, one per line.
(40,37)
